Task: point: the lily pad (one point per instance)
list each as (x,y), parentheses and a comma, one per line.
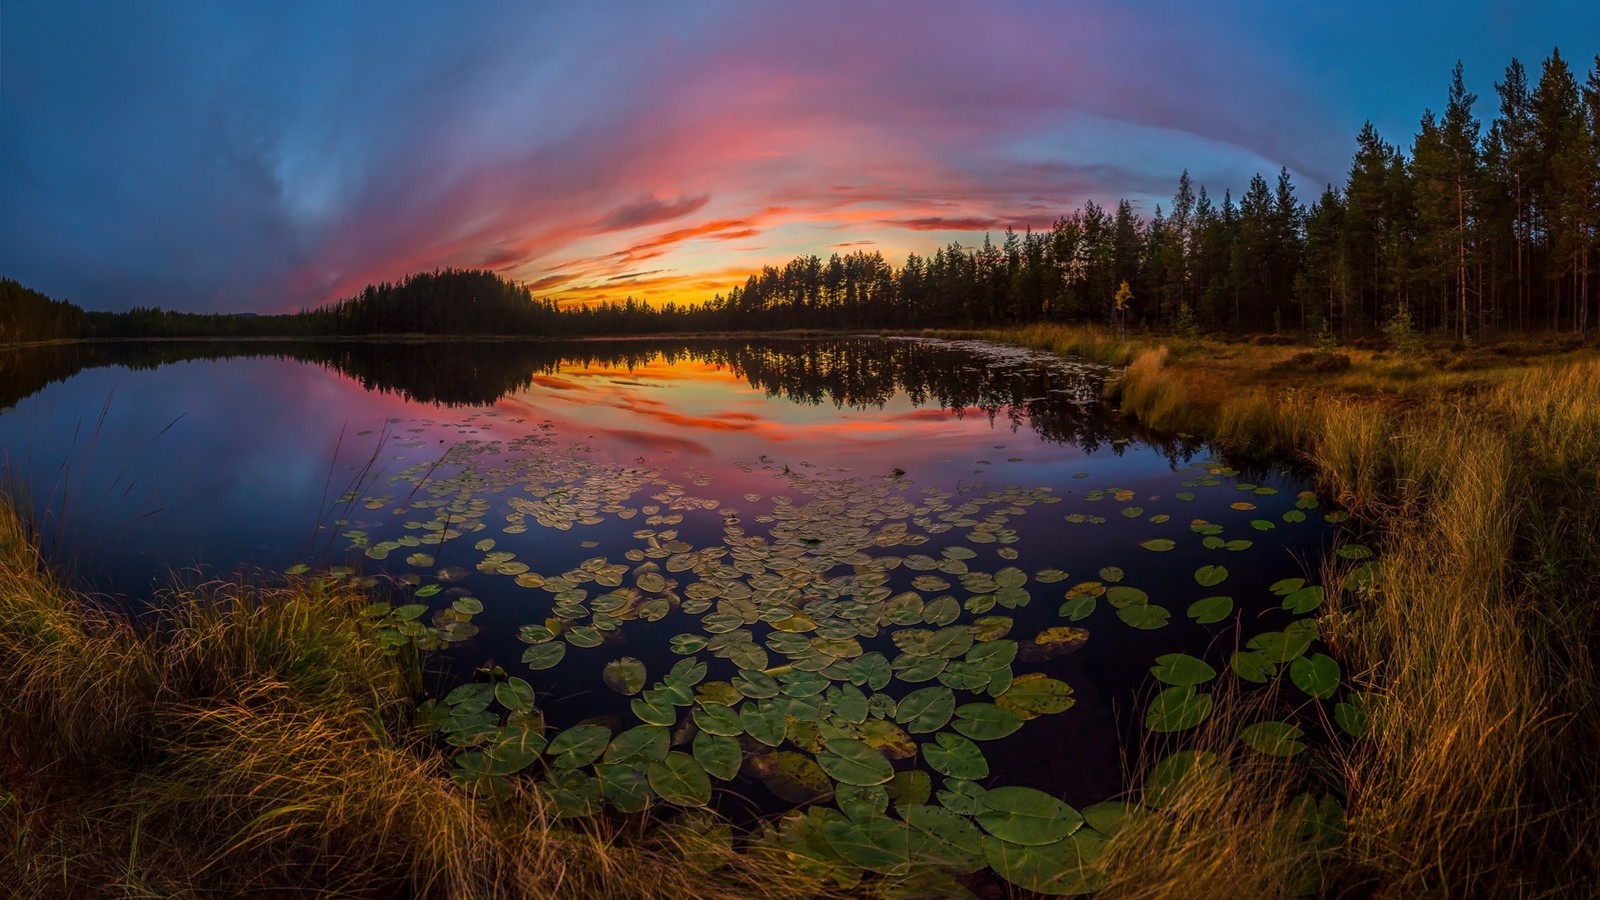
(1026,816)
(926,710)
(1177,709)
(1317,675)
(851,761)
(680,780)
(626,676)
(1273,738)
(1182,669)
(720,756)
(1210,576)
(985,721)
(1210,609)
(956,757)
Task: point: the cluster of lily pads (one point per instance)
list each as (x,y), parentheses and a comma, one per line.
(852,654)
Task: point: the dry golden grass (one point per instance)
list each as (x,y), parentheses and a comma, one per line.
(1478,474)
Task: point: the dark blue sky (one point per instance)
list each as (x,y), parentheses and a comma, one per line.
(269,156)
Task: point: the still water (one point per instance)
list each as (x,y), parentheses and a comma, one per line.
(950,553)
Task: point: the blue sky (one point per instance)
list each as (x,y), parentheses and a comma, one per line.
(217,156)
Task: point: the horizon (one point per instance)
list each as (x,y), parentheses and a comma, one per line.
(266,161)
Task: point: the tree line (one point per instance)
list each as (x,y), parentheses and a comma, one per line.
(1468,229)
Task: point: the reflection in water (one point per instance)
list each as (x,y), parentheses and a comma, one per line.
(1015,386)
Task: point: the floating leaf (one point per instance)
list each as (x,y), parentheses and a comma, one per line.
(1177,709)
(1171,777)
(985,721)
(765,722)
(714,718)
(655,707)
(926,710)
(1286,586)
(871,669)
(680,780)
(1303,600)
(686,644)
(579,746)
(1210,576)
(877,844)
(1064,868)
(1273,738)
(1035,694)
(956,757)
(947,839)
(1111,574)
(1050,576)
(1353,714)
(1121,596)
(1317,675)
(1147,617)
(910,788)
(793,777)
(297,569)
(420,560)
(626,676)
(1253,666)
(544,656)
(1182,669)
(639,745)
(720,756)
(1354,551)
(1159,544)
(1077,609)
(515,694)
(854,762)
(1210,609)
(626,786)
(1026,816)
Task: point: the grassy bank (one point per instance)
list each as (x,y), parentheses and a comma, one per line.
(247,741)
(1478,471)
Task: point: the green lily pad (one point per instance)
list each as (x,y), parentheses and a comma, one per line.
(680,780)
(719,755)
(877,844)
(1036,694)
(926,710)
(578,746)
(1303,600)
(1177,709)
(956,757)
(626,676)
(1147,617)
(1159,545)
(1210,576)
(715,718)
(1317,675)
(1182,669)
(854,762)
(871,669)
(1273,738)
(1210,609)
(985,721)
(766,722)
(947,838)
(1026,816)
(1062,869)
(544,656)
(639,745)
(1353,715)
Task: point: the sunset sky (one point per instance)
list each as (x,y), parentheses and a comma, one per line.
(271,156)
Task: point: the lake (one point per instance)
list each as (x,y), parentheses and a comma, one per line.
(869,574)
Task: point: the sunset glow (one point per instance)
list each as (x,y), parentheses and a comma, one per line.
(209,162)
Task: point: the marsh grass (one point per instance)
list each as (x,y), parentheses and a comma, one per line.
(241,740)
(1478,476)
